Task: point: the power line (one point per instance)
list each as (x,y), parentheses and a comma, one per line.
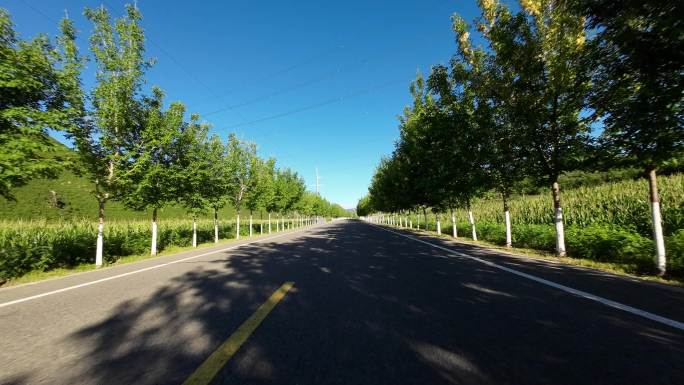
(318,105)
(303,84)
(182,67)
(38,11)
(275,93)
(286,70)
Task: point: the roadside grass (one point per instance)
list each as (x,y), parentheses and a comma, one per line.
(39,275)
(621,269)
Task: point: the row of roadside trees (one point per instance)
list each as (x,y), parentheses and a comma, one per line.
(131,146)
(560,85)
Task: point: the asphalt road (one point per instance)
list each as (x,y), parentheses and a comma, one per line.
(368,306)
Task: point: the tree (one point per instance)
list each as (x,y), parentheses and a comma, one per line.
(219,184)
(118,52)
(364,207)
(260,188)
(239,158)
(459,131)
(153,168)
(289,188)
(543,47)
(637,54)
(36,95)
(195,172)
(501,154)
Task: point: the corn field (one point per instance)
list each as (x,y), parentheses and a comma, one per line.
(40,245)
(622,204)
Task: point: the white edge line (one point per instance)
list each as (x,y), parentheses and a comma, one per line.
(579,293)
(68,288)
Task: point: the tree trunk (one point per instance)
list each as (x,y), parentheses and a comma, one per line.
(472,221)
(427,228)
(216,239)
(507,220)
(660,257)
(237,226)
(194,231)
(153,247)
(558,219)
(454,229)
(250,223)
(269,222)
(439,225)
(99,247)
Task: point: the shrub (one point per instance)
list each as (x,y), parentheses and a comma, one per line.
(675,251)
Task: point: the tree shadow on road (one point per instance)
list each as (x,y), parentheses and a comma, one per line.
(369,308)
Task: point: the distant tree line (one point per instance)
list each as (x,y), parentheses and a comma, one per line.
(561,85)
(129,145)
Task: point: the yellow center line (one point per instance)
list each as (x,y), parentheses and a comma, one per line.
(211,366)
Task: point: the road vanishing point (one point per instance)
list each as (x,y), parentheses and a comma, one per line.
(346,302)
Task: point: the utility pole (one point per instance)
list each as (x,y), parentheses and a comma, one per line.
(318,184)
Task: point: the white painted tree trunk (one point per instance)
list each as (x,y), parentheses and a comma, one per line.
(439,227)
(269,223)
(250,225)
(194,232)
(237,227)
(411,224)
(99,244)
(454,229)
(472,223)
(507,220)
(660,256)
(216,237)
(153,247)
(558,219)
(509,237)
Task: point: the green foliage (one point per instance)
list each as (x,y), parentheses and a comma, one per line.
(289,189)
(36,95)
(153,168)
(194,168)
(675,245)
(312,204)
(261,184)
(637,54)
(118,111)
(240,157)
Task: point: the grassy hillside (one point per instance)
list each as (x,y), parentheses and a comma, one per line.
(69,197)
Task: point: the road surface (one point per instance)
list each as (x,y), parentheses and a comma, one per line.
(367,305)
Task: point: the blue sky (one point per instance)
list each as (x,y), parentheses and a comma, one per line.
(313,83)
